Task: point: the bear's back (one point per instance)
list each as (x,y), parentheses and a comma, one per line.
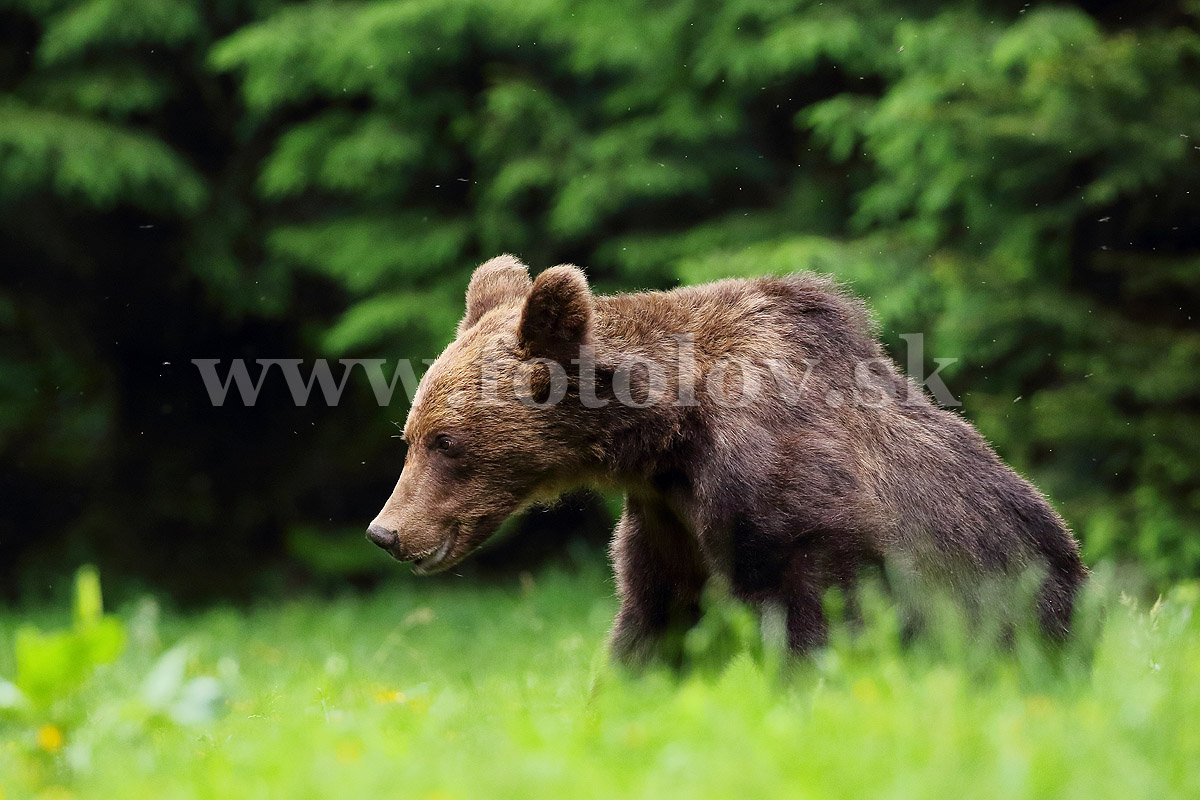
(798,317)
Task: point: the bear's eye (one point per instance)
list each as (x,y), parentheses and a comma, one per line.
(444,444)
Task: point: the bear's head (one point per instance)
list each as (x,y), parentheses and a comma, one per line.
(486,432)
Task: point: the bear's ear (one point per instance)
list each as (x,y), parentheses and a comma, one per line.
(502,281)
(557,316)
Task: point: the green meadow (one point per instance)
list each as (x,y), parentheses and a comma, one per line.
(448,689)
(1015,184)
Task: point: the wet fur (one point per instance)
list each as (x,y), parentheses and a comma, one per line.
(782,499)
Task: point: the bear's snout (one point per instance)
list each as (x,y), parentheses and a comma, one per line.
(383,537)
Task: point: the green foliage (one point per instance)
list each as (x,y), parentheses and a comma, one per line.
(55,663)
(434,689)
(104,24)
(1015,183)
(90,161)
(61,705)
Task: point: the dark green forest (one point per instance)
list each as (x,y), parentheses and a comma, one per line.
(185,179)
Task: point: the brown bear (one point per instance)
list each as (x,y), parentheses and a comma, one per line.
(758,432)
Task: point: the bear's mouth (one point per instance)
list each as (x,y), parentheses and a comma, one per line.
(433,562)
(464,539)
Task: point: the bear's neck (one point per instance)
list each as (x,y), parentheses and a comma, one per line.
(641,419)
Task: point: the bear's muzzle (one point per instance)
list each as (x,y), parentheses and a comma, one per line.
(382,537)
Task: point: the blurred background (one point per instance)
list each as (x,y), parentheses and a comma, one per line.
(249,179)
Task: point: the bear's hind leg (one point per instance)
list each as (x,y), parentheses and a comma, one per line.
(660,575)
(803,590)
(790,576)
(820,562)
(1057,595)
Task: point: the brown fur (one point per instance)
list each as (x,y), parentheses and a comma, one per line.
(783,497)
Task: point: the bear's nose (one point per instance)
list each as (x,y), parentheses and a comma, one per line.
(381,536)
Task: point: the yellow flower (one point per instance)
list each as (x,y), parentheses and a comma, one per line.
(50,738)
(55,793)
(389,696)
(1039,705)
(865,691)
(348,752)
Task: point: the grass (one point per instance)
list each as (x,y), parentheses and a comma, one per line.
(442,689)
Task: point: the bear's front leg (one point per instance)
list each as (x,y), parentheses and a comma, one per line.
(660,575)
